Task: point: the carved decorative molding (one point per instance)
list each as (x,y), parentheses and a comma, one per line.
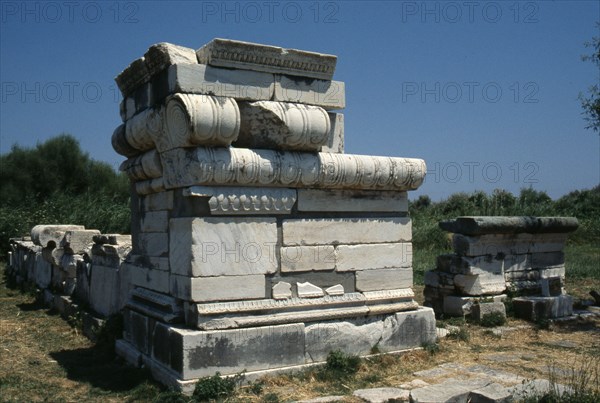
(245,200)
(248,167)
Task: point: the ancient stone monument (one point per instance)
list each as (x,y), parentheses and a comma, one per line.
(493,255)
(257,243)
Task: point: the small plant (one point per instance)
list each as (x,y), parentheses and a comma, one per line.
(216,387)
(542,324)
(431,347)
(492,319)
(339,365)
(375,349)
(461,334)
(338,361)
(256,388)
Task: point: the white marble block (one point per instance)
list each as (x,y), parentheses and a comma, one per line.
(508,244)
(144,166)
(335,143)
(482,284)
(352,200)
(307,258)
(246,167)
(216,247)
(273,59)
(227,200)
(161,55)
(192,119)
(224,288)
(384,279)
(324,93)
(284,126)
(328,231)
(373,256)
(203,79)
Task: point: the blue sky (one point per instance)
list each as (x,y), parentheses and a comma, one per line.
(484,91)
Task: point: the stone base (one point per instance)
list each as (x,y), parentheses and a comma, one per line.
(178,356)
(535,308)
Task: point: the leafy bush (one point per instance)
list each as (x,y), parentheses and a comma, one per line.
(339,365)
(215,387)
(492,319)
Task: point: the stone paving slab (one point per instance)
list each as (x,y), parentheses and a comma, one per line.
(383,395)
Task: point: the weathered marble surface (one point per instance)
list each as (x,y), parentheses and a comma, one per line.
(326,94)
(216,247)
(192,119)
(161,55)
(283,126)
(246,167)
(272,59)
(479,225)
(352,200)
(327,231)
(42,234)
(210,80)
(244,200)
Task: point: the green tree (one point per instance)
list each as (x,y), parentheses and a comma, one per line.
(591,104)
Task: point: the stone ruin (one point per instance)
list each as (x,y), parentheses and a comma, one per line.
(257,243)
(495,255)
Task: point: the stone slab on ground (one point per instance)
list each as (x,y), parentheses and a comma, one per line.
(535,308)
(451,390)
(493,393)
(537,387)
(382,395)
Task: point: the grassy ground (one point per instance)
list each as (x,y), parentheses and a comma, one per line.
(42,358)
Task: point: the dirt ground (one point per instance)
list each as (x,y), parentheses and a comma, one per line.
(43,358)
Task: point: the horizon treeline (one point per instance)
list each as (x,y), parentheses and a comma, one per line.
(56,182)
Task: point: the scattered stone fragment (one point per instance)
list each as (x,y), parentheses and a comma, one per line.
(451,390)
(415,383)
(308,290)
(383,395)
(537,387)
(337,289)
(493,393)
(431,373)
(282,290)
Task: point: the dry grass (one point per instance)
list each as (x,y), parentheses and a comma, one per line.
(43,359)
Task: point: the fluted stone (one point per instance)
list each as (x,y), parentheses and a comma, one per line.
(284,126)
(248,167)
(192,119)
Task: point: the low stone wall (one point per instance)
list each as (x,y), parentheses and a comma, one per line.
(73,267)
(496,255)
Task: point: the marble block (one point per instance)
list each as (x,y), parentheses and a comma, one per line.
(271,168)
(192,119)
(326,94)
(328,231)
(227,200)
(373,256)
(216,247)
(352,200)
(161,55)
(272,59)
(282,125)
(209,80)
(479,225)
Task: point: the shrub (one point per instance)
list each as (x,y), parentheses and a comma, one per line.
(215,387)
